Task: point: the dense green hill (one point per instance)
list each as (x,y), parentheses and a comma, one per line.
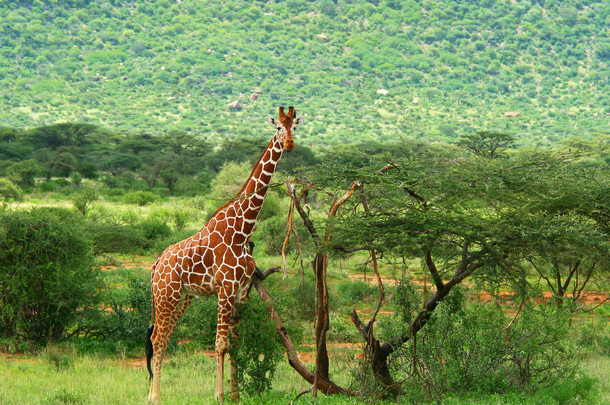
(356,70)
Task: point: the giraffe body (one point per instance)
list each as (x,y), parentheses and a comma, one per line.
(216,260)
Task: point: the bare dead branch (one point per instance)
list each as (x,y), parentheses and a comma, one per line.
(301,394)
(325,385)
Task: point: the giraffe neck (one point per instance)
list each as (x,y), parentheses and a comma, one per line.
(249,201)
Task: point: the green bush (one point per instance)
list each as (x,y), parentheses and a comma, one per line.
(116,238)
(47,277)
(465,347)
(83,199)
(140,198)
(357,291)
(271,208)
(198,325)
(9,191)
(154,228)
(125,325)
(272,232)
(256,348)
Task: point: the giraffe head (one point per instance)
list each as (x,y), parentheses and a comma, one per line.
(285,126)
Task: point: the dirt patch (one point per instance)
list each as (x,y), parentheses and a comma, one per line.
(18,358)
(587,297)
(138,363)
(137,262)
(132,262)
(371,278)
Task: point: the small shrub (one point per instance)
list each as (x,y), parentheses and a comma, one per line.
(125,325)
(180,218)
(228,182)
(465,346)
(116,238)
(83,199)
(272,207)
(68,397)
(61,360)
(272,232)
(357,291)
(341,330)
(154,228)
(255,349)
(198,325)
(577,390)
(9,191)
(48,186)
(76,179)
(140,198)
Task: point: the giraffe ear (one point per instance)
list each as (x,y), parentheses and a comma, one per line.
(299,121)
(272,122)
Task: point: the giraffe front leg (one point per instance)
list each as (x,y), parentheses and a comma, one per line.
(226,309)
(234,385)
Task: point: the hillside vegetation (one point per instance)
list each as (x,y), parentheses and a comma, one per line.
(358,70)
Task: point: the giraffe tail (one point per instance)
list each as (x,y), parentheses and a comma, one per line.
(149,350)
(150,330)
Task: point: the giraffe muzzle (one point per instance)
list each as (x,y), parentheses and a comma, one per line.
(289,145)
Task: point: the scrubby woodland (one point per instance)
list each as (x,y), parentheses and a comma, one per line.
(442,226)
(361,70)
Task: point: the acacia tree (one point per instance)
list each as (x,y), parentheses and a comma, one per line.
(567,242)
(463,216)
(486,143)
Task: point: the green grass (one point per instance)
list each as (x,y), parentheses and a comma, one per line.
(598,367)
(188,378)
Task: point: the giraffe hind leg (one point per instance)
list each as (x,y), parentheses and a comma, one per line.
(167,315)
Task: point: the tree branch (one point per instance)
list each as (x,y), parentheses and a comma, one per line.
(325,385)
(434,272)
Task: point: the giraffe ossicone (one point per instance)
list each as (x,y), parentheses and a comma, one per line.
(216,260)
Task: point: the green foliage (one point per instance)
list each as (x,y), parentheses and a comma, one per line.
(486,144)
(272,208)
(469,346)
(198,325)
(60,359)
(256,349)
(140,198)
(154,228)
(125,325)
(83,199)
(357,291)
(25,172)
(272,232)
(47,277)
(229,181)
(9,191)
(116,238)
(66,396)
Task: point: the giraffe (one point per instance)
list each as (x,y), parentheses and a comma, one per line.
(216,260)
